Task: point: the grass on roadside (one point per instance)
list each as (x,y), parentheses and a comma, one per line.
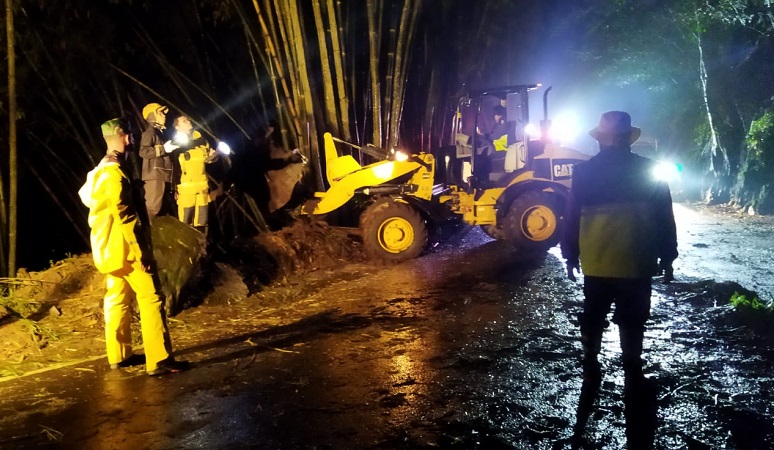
(754,313)
(19,306)
(741,303)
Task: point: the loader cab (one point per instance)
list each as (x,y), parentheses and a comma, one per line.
(515,146)
(494,148)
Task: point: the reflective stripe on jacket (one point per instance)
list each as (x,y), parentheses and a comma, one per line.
(619,219)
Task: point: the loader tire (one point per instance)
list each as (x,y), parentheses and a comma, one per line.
(493,232)
(532,224)
(393,231)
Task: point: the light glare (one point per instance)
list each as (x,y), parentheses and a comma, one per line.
(384,171)
(401,156)
(224,148)
(666,171)
(182,138)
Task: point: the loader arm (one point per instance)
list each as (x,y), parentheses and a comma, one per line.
(344,188)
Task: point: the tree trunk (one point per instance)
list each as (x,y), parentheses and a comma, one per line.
(373,45)
(277,69)
(718,158)
(331,114)
(12,167)
(402,51)
(338,64)
(306,98)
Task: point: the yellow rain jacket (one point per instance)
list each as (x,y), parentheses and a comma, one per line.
(112,217)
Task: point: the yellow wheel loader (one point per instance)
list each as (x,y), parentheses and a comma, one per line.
(397,199)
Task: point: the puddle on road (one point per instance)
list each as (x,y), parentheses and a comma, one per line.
(474,350)
(515,378)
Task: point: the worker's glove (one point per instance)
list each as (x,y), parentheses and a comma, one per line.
(572,267)
(169,147)
(296,156)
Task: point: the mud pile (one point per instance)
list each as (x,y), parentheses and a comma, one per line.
(55,316)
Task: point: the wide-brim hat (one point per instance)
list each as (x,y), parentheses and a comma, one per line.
(615,127)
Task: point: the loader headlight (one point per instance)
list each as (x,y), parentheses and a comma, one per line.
(667,171)
(564,128)
(399,155)
(532,130)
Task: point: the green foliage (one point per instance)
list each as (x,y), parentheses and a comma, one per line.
(36,329)
(754,185)
(9,371)
(19,306)
(760,137)
(740,302)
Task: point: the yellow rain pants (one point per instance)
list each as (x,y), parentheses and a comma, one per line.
(122,285)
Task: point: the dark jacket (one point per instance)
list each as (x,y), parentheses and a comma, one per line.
(156,163)
(619,219)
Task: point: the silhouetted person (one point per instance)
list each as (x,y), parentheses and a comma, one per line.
(485,147)
(620,230)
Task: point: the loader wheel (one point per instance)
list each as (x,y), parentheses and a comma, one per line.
(393,231)
(493,232)
(532,222)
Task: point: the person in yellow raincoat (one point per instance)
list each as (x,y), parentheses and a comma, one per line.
(125,261)
(191,183)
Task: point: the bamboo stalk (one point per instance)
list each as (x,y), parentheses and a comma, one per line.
(404,52)
(306,93)
(338,56)
(275,57)
(331,114)
(389,79)
(376,110)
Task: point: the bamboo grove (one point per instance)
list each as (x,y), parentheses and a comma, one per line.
(371,72)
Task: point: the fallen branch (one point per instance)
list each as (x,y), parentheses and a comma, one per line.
(25,281)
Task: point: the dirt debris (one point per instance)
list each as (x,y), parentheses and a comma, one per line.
(54,316)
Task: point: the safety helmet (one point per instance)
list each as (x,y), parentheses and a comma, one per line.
(152,108)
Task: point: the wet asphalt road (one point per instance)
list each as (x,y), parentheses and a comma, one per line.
(466,347)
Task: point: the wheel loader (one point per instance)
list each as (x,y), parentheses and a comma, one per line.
(521,200)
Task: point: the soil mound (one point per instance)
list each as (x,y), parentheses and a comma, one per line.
(55,316)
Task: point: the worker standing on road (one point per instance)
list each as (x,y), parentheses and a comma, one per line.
(620,231)
(192,190)
(157,162)
(120,254)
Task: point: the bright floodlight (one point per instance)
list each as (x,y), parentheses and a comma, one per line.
(667,171)
(181,138)
(564,128)
(532,130)
(400,155)
(224,148)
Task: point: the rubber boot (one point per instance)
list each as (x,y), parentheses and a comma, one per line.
(592,345)
(592,379)
(631,354)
